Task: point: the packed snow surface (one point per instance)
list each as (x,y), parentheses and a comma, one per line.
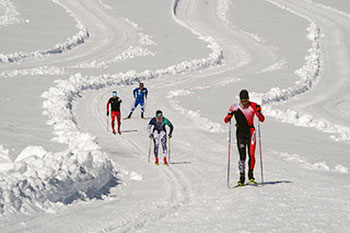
(61,169)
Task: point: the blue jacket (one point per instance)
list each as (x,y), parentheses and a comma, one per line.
(140,94)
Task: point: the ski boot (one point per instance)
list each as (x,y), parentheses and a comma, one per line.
(129,116)
(120,132)
(142,116)
(165,162)
(156,162)
(241,180)
(251,178)
(113,131)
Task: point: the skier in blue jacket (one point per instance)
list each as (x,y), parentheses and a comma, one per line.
(139,94)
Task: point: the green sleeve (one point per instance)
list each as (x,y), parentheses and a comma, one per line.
(168,123)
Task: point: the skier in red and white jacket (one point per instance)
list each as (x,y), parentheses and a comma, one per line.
(244,113)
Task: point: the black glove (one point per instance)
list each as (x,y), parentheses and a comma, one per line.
(151,136)
(170,135)
(107,113)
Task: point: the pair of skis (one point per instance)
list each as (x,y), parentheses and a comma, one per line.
(229,160)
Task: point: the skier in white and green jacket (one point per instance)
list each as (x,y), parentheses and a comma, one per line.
(157,132)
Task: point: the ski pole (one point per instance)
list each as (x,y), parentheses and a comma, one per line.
(107,123)
(150,148)
(260,150)
(229,156)
(169,150)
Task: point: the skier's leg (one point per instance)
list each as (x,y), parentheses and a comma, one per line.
(164,146)
(133,107)
(251,152)
(113,120)
(118,121)
(156,140)
(142,103)
(241,145)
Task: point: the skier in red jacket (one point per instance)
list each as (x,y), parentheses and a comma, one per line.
(115,102)
(244,114)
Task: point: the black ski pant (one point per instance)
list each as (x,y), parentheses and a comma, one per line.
(246,144)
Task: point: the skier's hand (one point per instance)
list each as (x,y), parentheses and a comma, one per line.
(151,136)
(261,117)
(227,119)
(107,113)
(170,135)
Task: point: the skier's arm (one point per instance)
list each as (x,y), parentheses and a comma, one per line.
(108,107)
(168,123)
(135,93)
(149,128)
(259,113)
(146,94)
(230,113)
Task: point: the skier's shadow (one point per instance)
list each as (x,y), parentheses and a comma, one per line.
(180,162)
(278,182)
(129,131)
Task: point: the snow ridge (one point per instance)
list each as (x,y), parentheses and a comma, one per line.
(309,74)
(69,44)
(321,166)
(216,57)
(36,71)
(11,14)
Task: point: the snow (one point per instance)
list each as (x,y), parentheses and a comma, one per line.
(70,43)
(86,179)
(10,15)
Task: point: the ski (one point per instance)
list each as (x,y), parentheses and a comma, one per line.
(247,184)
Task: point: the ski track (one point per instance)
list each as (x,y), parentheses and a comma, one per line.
(177,186)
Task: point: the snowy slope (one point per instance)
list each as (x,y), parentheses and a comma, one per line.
(194,57)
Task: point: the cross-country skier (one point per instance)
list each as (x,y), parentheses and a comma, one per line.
(157,132)
(139,94)
(115,102)
(244,114)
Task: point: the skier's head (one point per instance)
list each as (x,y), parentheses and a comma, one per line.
(141,85)
(159,115)
(114,94)
(244,97)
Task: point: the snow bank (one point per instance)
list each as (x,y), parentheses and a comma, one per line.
(306,120)
(39,179)
(11,15)
(70,43)
(36,71)
(309,74)
(216,56)
(321,166)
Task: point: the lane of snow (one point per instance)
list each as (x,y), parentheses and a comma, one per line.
(190,195)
